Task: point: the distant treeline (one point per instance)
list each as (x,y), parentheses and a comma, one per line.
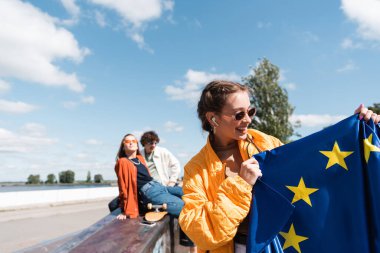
(64,177)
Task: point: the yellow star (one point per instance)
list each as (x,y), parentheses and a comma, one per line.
(292,239)
(336,156)
(368,147)
(302,192)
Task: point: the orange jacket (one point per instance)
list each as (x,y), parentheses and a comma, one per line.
(126,173)
(216,205)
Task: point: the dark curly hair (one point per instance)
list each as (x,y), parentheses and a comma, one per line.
(148,137)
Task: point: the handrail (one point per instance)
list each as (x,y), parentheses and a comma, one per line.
(112,235)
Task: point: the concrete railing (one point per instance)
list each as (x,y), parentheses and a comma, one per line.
(27,199)
(112,235)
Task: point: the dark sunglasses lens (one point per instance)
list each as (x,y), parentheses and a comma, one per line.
(239,115)
(252,112)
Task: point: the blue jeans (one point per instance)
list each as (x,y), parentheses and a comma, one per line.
(157,194)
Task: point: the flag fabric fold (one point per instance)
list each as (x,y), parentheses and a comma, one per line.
(320,193)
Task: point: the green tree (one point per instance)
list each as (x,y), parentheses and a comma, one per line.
(375,108)
(67,177)
(98,178)
(33,179)
(51,179)
(271,101)
(88,177)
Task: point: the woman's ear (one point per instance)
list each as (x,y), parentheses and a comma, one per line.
(211,119)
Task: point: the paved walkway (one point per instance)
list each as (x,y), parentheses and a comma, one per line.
(24,228)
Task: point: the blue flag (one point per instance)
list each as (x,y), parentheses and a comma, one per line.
(332,181)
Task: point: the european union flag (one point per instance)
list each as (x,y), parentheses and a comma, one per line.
(332,180)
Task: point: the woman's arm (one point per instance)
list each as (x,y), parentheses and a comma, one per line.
(122,185)
(211,224)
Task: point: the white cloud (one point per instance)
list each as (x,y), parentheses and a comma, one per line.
(136,14)
(139,39)
(88,100)
(184,155)
(30,138)
(4,86)
(30,43)
(100,19)
(33,129)
(139,133)
(316,120)
(171,126)
(262,25)
(70,104)
(93,142)
(190,88)
(282,76)
(350,65)
(198,23)
(84,100)
(309,37)
(73,9)
(16,107)
(168,5)
(366,14)
(348,43)
(82,156)
(290,86)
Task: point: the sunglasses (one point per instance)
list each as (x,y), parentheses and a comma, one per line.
(240,115)
(130,141)
(152,143)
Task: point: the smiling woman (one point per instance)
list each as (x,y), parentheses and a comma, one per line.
(78,68)
(218,181)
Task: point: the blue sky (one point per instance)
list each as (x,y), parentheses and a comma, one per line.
(75,76)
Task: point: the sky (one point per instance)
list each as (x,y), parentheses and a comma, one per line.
(76,76)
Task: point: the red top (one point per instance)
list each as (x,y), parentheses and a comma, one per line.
(126,173)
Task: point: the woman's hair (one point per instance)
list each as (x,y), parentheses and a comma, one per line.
(149,136)
(213,99)
(121,152)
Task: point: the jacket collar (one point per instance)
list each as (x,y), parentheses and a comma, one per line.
(156,152)
(246,150)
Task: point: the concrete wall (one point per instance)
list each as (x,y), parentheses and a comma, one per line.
(25,199)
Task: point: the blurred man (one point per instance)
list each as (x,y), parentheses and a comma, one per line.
(163,165)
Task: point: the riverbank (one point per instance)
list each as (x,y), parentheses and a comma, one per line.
(27,227)
(22,186)
(26,199)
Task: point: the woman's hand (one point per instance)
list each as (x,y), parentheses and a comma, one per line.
(121,217)
(367,114)
(250,171)
(171,183)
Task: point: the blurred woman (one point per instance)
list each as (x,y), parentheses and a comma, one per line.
(136,184)
(135,181)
